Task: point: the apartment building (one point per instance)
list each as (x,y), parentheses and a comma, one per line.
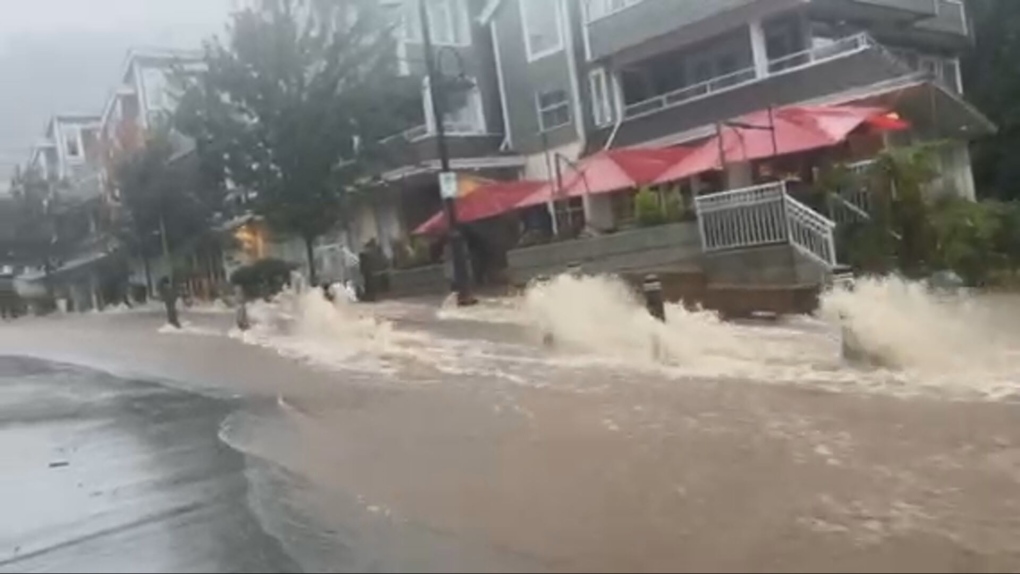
(557,80)
(69,156)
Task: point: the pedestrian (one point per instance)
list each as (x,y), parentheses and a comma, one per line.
(169,296)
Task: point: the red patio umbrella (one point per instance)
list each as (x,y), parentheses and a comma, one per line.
(608,171)
(783,131)
(487,200)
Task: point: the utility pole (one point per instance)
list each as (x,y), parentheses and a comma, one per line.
(438,97)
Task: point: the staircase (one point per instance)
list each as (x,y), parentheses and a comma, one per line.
(761,216)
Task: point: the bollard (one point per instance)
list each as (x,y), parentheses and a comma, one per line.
(243,323)
(653,297)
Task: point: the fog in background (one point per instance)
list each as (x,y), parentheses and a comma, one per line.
(60,56)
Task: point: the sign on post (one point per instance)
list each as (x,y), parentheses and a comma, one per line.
(448,185)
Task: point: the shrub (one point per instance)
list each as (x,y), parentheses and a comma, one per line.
(412,253)
(648,210)
(966,234)
(263,278)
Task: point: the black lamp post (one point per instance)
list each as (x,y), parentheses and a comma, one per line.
(437,94)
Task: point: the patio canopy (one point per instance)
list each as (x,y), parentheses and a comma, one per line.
(782,131)
(482,201)
(608,171)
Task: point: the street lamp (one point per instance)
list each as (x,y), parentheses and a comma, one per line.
(446,177)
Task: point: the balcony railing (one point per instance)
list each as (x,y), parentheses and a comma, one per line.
(763,215)
(789,63)
(424,131)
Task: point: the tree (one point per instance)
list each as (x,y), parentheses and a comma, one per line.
(899,234)
(37,202)
(989,71)
(164,200)
(291,105)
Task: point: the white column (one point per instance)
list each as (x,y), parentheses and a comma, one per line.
(759,51)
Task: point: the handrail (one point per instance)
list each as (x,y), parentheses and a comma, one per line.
(838,49)
(764,215)
(811,232)
(724,199)
(706,87)
(423,131)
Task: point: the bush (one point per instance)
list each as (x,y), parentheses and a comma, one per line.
(648,209)
(263,278)
(965,234)
(412,253)
(1007,238)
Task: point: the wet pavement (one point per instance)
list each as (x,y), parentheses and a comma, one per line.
(462,444)
(105,474)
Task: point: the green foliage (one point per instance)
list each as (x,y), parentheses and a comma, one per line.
(899,235)
(648,209)
(1007,238)
(161,190)
(534,237)
(263,278)
(993,85)
(966,232)
(412,253)
(38,208)
(293,103)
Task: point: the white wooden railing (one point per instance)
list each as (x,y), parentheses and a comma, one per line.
(810,232)
(763,215)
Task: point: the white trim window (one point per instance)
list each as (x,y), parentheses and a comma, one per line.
(72,142)
(553,109)
(468,119)
(601,97)
(597,9)
(448,22)
(543,28)
(945,70)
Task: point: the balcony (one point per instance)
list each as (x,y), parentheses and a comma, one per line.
(851,62)
(670,23)
(950,18)
(417,145)
(892,11)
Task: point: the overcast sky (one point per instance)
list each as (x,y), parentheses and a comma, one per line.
(65,55)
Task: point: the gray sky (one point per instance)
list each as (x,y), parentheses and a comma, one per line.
(65,56)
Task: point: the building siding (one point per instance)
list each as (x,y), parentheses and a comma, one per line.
(524,79)
(649,19)
(862,69)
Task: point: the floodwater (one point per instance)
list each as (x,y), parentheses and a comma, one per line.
(413,435)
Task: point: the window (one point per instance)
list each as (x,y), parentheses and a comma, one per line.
(160,95)
(951,76)
(601,102)
(468,118)
(596,9)
(448,22)
(553,109)
(945,70)
(72,142)
(542,27)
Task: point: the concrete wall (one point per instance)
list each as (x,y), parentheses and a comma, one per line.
(771,265)
(430,280)
(675,245)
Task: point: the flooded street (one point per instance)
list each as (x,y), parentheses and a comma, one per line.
(413,436)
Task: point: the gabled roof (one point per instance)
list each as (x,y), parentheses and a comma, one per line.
(489,11)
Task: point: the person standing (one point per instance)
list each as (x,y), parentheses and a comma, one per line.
(169,296)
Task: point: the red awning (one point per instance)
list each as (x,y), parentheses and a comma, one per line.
(609,171)
(487,200)
(786,130)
